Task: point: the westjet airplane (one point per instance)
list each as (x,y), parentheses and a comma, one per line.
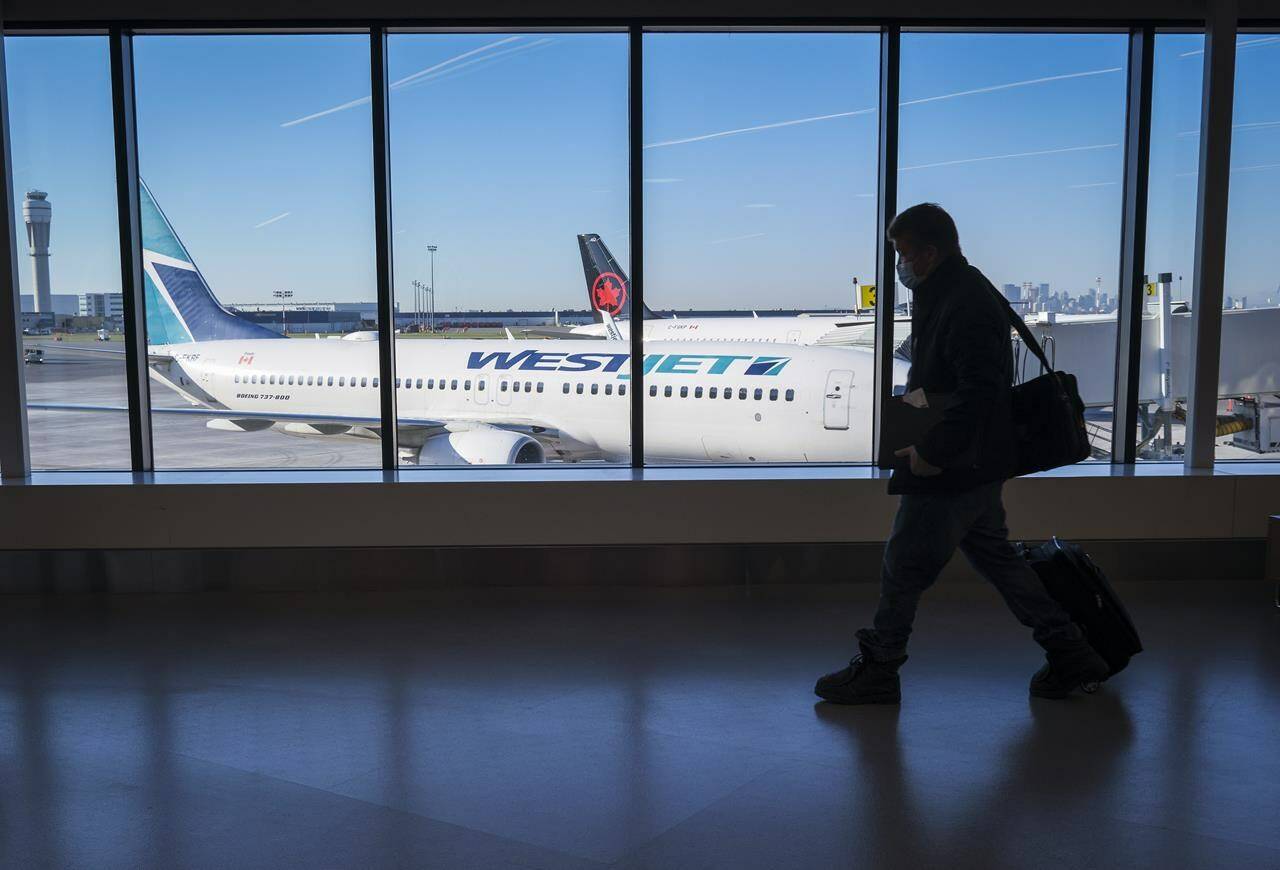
(488,402)
(609,290)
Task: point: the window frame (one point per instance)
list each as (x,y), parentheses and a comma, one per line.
(1221,29)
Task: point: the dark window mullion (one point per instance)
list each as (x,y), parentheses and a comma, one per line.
(1133,245)
(382,247)
(886,209)
(132,281)
(15,446)
(635,133)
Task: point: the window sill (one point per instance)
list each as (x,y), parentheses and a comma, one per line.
(590,474)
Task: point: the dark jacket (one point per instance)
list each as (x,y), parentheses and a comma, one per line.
(961,348)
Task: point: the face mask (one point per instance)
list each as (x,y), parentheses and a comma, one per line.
(907,275)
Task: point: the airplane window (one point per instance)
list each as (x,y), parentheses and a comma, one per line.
(364,382)
(342,381)
(742,392)
(480,386)
(418,383)
(653,389)
(311,379)
(713,393)
(291,380)
(579,390)
(330,384)
(375,382)
(566,388)
(595,389)
(397,383)
(539,386)
(466,385)
(237,379)
(608,389)
(353,381)
(431,383)
(502,387)
(697,392)
(666,392)
(453,385)
(773,395)
(759,394)
(622,389)
(528,386)
(684,392)
(273,379)
(790,395)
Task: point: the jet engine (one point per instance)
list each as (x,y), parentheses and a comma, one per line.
(481,447)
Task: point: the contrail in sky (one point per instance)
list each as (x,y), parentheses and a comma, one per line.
(794,122)
(278,217)
(452,60)
(1248,43)
(776,124)
(448,64)
(456,69)
(1092,184)
(1254,168)
(1254,126)
(1006,86)
(1010,156)
(736,238)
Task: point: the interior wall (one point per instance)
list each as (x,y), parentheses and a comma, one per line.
(621,508)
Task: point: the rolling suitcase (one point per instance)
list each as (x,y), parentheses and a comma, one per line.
(1083,591)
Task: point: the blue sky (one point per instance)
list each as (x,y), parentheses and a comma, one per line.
(760,163)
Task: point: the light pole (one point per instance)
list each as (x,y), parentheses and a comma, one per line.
(417,305)
(283,295)
(431,318)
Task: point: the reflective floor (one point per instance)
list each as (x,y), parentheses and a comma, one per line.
(292,733)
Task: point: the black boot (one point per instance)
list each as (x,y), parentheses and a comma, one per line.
(1064,671)
(865,681)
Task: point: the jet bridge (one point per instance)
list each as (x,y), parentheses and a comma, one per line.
(1248,376)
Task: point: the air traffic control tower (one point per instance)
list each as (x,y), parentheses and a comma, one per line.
(37,212)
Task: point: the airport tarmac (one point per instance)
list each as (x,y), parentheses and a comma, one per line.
(76,440)
(100,440)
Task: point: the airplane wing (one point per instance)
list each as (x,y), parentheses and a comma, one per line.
(562,332)
(225,413)
(110,351)
(611,328)
(265,418)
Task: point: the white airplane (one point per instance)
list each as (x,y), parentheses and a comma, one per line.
(609,291)
(488,402)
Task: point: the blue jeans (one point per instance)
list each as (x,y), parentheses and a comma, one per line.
(926,532)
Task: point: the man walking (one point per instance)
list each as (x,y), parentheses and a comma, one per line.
(951,481)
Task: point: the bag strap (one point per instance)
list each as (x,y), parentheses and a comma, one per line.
(1020,326)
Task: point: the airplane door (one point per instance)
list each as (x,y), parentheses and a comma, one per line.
(206,376)
(835,404)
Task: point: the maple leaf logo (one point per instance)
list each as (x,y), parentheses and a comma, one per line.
(608,293)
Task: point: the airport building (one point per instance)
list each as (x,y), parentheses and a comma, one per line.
(467,444)
(105,305)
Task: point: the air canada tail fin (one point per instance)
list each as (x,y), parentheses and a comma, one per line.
(608,288)
(180,306)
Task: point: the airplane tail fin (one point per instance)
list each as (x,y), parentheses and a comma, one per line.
(180,306)
(608,287)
